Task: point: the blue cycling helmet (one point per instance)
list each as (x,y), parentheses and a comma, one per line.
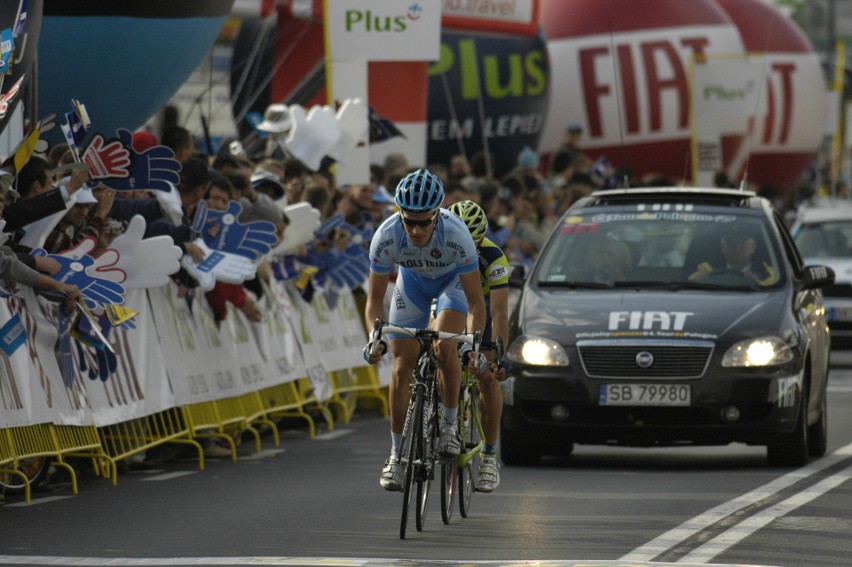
(419,192)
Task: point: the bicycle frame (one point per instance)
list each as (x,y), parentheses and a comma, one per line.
(420,431)
(469,382)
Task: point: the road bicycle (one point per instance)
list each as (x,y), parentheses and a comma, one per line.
(422,420)
(462,473)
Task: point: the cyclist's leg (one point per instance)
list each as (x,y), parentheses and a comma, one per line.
(404,311)
(451,317)
(490,410)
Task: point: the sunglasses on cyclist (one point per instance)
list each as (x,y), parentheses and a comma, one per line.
(411,223)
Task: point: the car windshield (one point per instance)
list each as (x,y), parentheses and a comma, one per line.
(830,239)
(661,246)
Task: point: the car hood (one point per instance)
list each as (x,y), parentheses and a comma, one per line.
(570,315)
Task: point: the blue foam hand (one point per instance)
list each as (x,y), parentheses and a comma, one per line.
(95,291)
(155,168)
(334,221)
(251,240)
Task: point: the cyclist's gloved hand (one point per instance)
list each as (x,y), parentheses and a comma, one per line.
(373,346)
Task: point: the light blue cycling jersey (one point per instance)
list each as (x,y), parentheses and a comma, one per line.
(451,249)
(425,274)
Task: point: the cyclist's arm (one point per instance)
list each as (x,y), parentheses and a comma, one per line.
(475,301)
(375,309)
(499,306)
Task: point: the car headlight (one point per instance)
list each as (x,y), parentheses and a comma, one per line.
(760,351)
(537,351)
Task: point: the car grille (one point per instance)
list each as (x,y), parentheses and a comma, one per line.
(618,358)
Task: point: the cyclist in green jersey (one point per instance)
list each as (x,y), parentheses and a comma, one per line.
(494,277)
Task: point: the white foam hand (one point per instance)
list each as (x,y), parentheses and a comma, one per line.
(170,203)
(148,262)
(354,127)
(304,221)
(218,266)
(312,136)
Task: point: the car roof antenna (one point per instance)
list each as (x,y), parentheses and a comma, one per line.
(753,121)
(626,180)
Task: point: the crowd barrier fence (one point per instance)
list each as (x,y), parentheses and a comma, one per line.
(178,377)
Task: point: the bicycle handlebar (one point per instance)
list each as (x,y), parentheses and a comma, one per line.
(471,338)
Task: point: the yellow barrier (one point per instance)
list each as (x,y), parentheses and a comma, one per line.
(256,414)
(226,419)
(128,438)
(351,386)
(285,400)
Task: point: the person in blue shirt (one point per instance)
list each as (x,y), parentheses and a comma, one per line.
(437,260)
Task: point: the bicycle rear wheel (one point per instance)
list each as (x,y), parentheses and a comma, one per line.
(410,451)
(470,443)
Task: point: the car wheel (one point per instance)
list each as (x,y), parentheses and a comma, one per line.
(793,451)
(818,432)
(516,449)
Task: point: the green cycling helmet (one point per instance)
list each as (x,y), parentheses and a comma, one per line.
(473,216)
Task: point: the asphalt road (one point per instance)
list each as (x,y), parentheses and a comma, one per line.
(318,502)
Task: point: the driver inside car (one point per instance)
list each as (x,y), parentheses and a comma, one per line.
(738,251)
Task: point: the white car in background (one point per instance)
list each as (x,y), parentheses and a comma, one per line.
(823,234)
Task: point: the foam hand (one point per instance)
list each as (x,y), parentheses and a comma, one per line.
(354,128)
(96,291)
(312,136)
(45,125)
(252,239)
(170,203)
(106,160)
(155,168)
(105,266)
(352,267)
(146,262)
(218,266)
(304,221)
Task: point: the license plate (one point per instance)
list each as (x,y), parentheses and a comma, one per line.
(645,395)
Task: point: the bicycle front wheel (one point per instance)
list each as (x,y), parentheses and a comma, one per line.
(428,441)
(410,451)
(448,489)
(471,443)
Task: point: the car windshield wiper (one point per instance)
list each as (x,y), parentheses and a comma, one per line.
(574,285)
(668,284)
(725,287)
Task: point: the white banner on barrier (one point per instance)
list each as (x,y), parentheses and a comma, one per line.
(278,336)
(171,354)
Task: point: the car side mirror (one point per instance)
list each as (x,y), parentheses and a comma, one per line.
(817,277)
(517,275)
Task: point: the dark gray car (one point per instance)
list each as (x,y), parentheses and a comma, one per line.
(667,317)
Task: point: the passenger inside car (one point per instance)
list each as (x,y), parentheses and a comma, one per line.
(609,260)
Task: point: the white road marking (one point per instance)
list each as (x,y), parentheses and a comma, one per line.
(304,561)
(737,533)
(333,434)
(265,454)
(36,501)
(678,535)
(168,476)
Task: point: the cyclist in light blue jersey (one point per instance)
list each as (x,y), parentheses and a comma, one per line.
(437,259)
